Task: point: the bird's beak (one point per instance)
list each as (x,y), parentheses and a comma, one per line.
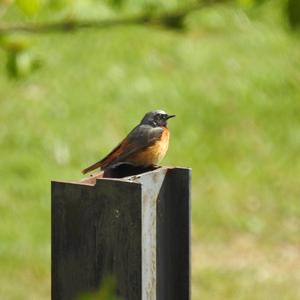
(170,116)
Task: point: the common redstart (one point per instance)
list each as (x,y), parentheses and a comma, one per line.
(145,146)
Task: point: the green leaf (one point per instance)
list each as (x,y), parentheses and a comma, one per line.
(21,64)
(107,291)
(30,7)
(15,42)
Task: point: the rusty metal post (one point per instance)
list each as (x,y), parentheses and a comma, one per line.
(136,229)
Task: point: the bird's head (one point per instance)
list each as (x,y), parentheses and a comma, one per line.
(156,118)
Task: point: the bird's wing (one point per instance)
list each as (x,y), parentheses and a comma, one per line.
(140,137)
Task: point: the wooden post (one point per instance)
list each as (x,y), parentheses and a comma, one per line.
(136,229)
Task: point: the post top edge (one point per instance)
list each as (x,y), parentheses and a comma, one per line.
(91,181)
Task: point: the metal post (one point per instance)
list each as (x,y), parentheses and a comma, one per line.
(136,229)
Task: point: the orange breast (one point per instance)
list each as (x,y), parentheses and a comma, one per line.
(153,154)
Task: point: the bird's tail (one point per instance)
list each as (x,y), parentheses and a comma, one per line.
(98,164)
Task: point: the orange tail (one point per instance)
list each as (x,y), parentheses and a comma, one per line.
(92,167)
(109,158)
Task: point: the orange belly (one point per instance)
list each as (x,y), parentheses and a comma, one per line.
(153,154)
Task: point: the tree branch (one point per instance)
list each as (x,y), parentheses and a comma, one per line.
(172,19)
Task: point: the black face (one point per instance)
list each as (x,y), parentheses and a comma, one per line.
(156,118)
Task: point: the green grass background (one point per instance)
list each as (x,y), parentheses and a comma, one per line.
(232,79)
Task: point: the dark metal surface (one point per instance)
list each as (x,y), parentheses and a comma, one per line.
(121,227)
(173,236)
(96,232)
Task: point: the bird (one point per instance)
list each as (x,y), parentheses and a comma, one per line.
(145,145)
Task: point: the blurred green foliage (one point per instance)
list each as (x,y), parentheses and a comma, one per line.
(293,12)
(20,60)
(22,63)
(232,79)
(29,7)
(107,291)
